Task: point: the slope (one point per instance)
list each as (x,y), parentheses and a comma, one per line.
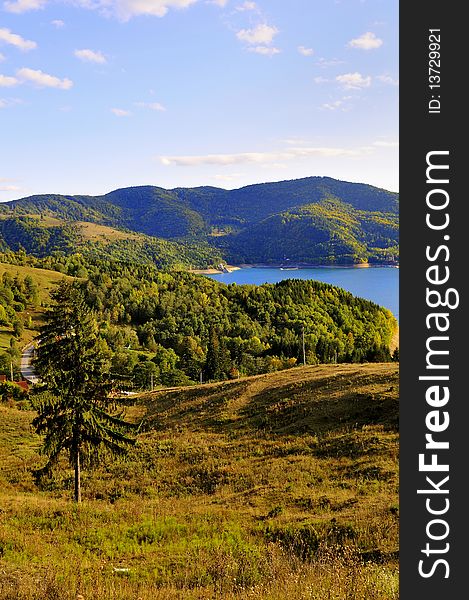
(258,488)
(329,231)
(48,233)
(27,310)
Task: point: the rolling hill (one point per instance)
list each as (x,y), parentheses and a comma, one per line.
(262,487)
(42,235)
(316,219)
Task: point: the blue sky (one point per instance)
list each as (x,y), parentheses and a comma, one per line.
(101,94)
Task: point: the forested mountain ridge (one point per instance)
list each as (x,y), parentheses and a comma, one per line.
(315,219)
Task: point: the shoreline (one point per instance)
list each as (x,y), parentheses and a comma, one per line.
(300,266)
(229,269)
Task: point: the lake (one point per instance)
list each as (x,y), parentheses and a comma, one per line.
(379,284)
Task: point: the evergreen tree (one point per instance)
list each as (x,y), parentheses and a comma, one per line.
(74,406)
(18,327)
(218,360)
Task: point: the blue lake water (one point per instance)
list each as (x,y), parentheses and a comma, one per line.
(379,284)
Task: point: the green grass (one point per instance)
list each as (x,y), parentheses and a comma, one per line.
(102,233)
(46,281)
(277,486)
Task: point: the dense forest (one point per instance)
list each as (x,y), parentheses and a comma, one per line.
(176,328)
(313,220)
(330,231)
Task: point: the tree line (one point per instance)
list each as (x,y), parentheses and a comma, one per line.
(123,325)
(177,328)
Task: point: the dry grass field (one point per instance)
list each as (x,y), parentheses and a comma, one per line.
(277,486)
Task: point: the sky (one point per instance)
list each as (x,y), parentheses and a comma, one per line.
(97,95)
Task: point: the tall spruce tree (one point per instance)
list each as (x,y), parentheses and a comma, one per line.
(74,409)
(218,359)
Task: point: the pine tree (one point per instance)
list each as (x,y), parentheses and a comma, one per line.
(218,359)
(74,406)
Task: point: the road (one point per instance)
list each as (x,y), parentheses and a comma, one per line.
(26,367)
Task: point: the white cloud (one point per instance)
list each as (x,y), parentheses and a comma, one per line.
(120,112)
(320,80)
(246,6)
(227,178)
(122,9)
(367,41)
(333,105)
(296,141)
(337,104)
(354,81)
(7,102)
(305,51)
(88,55)
(58,23)
(9,188)
(21,6)
(16,40)
(325,63)
(41,79)
(7,185)
(126,9)
(387,79)
(265,50)
(2,57)
(156,106)
(6,81)
(386,144)
(261,34)
(260,157)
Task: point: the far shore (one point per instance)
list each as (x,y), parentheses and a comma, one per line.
(306,266)
(229,269)
(313,266)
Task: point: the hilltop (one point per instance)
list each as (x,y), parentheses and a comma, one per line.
(319,400)
(315,219)
(260,487)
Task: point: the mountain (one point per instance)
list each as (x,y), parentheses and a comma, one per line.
(315,219)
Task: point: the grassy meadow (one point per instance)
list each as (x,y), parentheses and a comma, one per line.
(277,486)
(46,281)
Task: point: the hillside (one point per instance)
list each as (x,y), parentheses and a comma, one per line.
(173,327)
(330,231)
(320,400)
(24,292)
(42,235)
(333,221)
(262,487)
